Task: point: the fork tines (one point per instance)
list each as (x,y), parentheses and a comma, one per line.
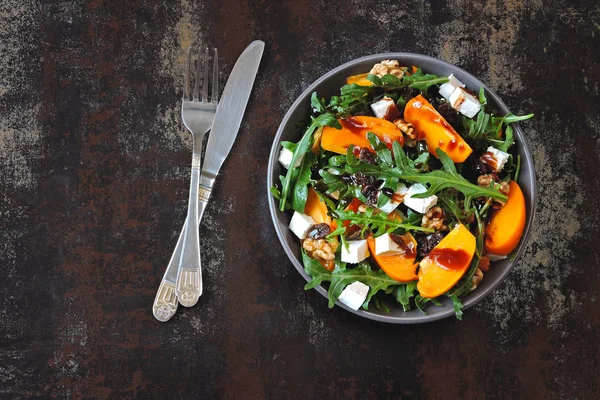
(214,98)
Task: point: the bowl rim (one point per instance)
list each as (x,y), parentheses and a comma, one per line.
(476,296)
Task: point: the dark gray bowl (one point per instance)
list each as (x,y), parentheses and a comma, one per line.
(328,85)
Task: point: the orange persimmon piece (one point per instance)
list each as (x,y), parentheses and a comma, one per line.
(316,208)
(436,131)
(505,228)
(354,132)
(399,267)
(446,263)
(360,80)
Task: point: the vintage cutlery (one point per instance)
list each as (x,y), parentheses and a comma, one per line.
(226,124)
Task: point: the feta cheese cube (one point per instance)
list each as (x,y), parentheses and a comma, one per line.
(495,158)
(464,102)
(356,252)
(354,295)
(395,200)
(300,224)
(447,88)
(285,158)
(495,257)
(417,204)
(386,109)
(386,246)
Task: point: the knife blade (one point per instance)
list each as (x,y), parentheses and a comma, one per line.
(230,112)
(228,119)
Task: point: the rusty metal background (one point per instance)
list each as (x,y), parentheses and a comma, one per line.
(94,167)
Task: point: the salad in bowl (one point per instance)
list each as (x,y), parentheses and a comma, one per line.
(402,189)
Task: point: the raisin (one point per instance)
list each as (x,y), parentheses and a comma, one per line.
(372,197)
(366,156)
(479,166)
(426,243)
(448,113)
(319,231)
(363,180)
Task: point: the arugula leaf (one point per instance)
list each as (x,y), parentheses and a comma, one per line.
(458,306)
(275,192)
(423,82)
(450,201)
(486,129)
(341,277)
(384,154)
(302,148)
(403,294)
(316,270)
(511,118)
(420,302)
(377,223)
(300,193)
(508,139)
(375,80)
(518,169)
(317,105)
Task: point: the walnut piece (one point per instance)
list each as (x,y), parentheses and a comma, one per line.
(406,127)
(434,219)
(504,188)
(487,179)
(477,278)
(493,180)
(388,67)
(320,248)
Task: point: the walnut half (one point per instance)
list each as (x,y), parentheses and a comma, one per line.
(434,219)
(320,248)
(388,67)
(406,127)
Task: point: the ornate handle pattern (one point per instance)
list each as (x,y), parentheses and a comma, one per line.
(165,302)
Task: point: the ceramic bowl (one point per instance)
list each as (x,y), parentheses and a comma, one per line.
(328,85)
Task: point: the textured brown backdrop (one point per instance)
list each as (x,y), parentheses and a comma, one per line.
(94,180)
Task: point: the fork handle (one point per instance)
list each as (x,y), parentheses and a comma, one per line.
(189,276)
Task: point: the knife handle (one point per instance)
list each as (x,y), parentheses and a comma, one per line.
(203,196)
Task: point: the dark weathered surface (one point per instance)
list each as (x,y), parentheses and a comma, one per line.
(94,180)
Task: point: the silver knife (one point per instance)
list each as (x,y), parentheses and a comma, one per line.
(226,125)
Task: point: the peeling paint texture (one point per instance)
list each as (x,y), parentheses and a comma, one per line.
(94,178)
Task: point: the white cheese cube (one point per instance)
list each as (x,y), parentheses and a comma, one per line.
(335,195)
(464,102)
(447,88)
(285,158)
(417,204)
(395,200)
(385,246)
(495,158)
(354,295)
(356,252)
(300,224)
(495,257)
(385,109)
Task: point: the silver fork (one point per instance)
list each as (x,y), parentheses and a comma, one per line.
(198,115)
